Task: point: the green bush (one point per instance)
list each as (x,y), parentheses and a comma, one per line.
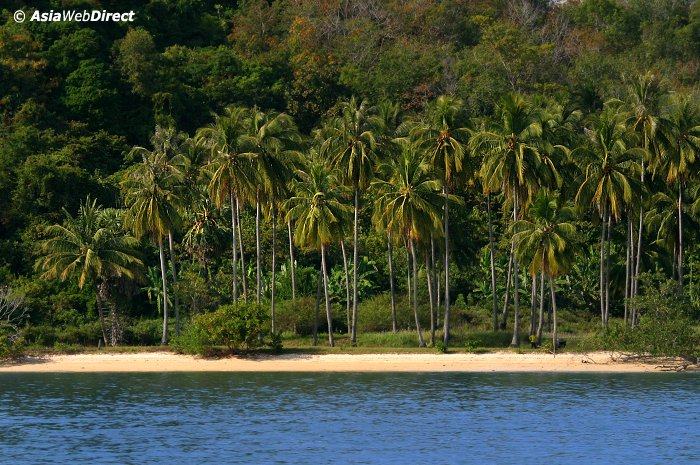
(86,334)
(666,326)
(193,340)
(297,316)
(144,332)
(374,314)
(237,326)
(11,346)
(41,335)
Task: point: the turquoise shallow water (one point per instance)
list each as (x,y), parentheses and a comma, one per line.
(325,418)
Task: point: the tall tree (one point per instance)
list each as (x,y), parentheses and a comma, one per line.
(351,145)
(443,135)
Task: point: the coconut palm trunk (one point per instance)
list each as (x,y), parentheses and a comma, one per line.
(274,264)
(244,279)
(436,293)
(346,272)
(319,288)
(391,284)
(506,294)
(355,265)
(430,298)
(234,247)
(540,322)
(258,288)
(515,341)
(329,317)
(492,264)
(100,293)
(607,272)
(602,267)
(161,253)
(421,342)
(680,234)
(446,332)
(292,271)
(533,306)
(173,269)
(628,275)
(554,315)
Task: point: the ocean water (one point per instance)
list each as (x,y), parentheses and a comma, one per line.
(353,418)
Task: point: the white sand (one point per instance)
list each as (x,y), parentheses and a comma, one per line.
(491,362)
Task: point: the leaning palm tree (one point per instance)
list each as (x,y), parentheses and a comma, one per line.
(514,164)
(443,137)
(351,146)
(318,212)
(608,182)
(152,206)
(408,203)
(230,173)
(92,248)
(545,240)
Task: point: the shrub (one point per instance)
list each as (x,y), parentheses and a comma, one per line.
(144,332)
(11,346)
(237,326)
(41,335)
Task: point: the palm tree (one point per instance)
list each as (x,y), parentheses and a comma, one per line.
(318,213)
(94,249)
(607,182)
(269,142)
(514,165)
(152,206)
(408,203)
(351,144)
(230,173)
(443,137)
(680,155)
(644,96)
(545,241)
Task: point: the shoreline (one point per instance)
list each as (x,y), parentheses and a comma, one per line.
(593,362)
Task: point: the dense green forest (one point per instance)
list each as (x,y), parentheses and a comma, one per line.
(393,166)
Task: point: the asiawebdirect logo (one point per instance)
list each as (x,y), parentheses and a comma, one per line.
(83,16)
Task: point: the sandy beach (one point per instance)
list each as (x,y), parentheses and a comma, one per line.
(491,362)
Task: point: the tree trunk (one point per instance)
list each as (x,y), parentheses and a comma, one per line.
(430,298)
(515,342)
(164,339)
(176,299)
(258,289)
(601,280)
(329,317)
(234,247)
(408,272)
(391,284)
(100,291)
(540,322)
(494,300)
(355,266)
(292,265)
(627,267)
(533,306)
(274,264)
(506,294)
(607,272)
(680,234)
(244,279)
(635,287)
(347,287)
(319,284)
(446,332)
(421,342)
(554,315)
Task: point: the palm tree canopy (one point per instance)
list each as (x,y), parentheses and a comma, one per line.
(351,142)
(228,169)
(545,238)
(611,170)
(409,200)
(150,193)
(89,246)
(513,160)
(316,206)
(679,155)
